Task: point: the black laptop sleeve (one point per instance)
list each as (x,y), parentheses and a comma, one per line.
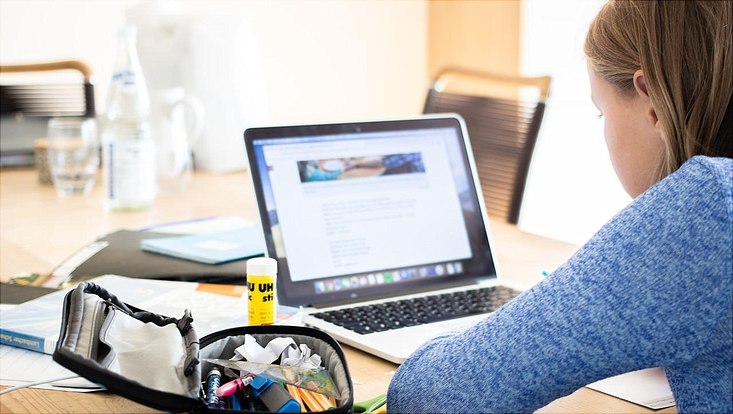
(157,360)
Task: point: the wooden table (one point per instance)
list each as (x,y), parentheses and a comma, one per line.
(38,230)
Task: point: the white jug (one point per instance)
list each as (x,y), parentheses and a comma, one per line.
(214,57)
(177,122)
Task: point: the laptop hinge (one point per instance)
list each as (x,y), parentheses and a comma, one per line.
(411,291)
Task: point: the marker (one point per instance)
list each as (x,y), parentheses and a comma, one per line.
(235,404)
(232,387)
(212,385)
(274,396)
(545,273)
(293,390)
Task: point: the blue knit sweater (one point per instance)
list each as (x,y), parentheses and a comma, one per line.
(651,288)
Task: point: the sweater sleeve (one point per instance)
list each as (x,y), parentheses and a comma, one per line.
(647,290)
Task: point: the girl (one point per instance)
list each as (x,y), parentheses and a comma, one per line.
(653,286)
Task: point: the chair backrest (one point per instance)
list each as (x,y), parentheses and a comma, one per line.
(503,116)
(30,94)
(50,99)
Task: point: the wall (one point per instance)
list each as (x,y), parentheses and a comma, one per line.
(323,60)
(572,189)
(334,60)
(480,35)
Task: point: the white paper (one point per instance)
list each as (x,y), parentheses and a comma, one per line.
(21,367)
(292,355)
(211,311)
(253,352)
(647,387)
(61,273)
(301,357)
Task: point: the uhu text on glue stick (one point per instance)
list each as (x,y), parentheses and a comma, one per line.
(261,283)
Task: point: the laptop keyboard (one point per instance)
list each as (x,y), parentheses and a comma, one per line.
(418,311)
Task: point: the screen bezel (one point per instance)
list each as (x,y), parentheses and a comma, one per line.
(290,293)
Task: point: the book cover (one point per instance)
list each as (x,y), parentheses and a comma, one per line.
(210,248)
(35,324)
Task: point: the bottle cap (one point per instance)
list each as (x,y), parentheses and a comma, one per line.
(262,266)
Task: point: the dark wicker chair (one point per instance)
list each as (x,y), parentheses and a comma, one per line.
(30,94)
(503,116)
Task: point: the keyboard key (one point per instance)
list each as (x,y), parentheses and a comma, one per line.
(409,312)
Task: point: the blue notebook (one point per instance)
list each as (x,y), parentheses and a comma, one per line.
(210,248)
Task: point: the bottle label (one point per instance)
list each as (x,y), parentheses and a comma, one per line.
(125,77)
(131,175)
(261,310)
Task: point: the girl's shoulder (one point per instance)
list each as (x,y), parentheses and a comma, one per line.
(700,177)
(720,167)
(704,180)
(699,195)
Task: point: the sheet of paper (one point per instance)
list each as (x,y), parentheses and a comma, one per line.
(211,311)
(214,307)
(647,387)
(21,367)
(64,270)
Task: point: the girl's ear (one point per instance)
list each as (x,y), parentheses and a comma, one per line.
(641,90)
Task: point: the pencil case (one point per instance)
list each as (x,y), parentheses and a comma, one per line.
(159,361)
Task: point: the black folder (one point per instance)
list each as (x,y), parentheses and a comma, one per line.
(123,256)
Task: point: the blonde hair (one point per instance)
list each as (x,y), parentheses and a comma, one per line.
(685,50)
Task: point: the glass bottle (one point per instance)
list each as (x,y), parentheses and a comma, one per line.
(128,147)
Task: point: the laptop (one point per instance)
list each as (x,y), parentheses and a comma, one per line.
(379,229)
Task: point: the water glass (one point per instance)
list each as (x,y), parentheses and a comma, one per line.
(73,154)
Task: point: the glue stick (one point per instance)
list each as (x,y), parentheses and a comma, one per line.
(261,281)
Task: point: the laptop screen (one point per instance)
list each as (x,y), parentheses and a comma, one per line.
(361,210)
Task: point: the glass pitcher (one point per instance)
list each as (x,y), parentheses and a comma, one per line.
(177,122)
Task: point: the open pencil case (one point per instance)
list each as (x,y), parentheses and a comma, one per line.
(159,361)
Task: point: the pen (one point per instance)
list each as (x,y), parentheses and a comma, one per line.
(213,379)
(235,404)
(231,387)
